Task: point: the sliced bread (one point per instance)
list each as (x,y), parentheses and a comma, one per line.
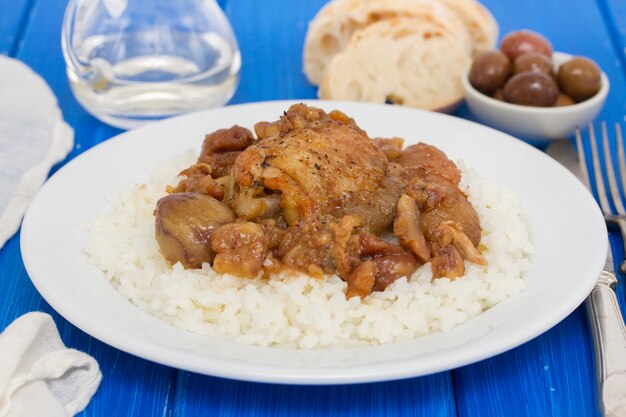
(332,27)
(401,60)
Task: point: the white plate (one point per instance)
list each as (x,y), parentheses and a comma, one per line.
(566,228)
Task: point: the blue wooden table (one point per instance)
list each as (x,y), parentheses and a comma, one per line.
(551,375)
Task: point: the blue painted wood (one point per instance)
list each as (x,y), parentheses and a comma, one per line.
(130,386)
(12,16)
(551,375)
(271,35)
(615,14)
(427,396)
(222,3)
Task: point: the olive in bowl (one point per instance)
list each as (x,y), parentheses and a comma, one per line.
(489,71)
(579,78)
(533,61)
(533,122)
(531,88)
(522,72)
(521,42)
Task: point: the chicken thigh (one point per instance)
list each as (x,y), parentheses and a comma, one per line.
(317,163)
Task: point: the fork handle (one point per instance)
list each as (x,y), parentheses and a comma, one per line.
(609,341)
(620,222)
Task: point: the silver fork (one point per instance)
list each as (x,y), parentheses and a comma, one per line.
(606,322)
(617,218)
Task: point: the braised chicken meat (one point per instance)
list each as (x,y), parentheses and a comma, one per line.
(313,193)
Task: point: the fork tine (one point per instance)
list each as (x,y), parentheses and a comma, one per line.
(621,160)
(610,171)
(597,172)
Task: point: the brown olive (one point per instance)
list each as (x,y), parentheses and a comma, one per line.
(579,78)
(489,71)
(531,88)
(184,224)
(533,61)
(523,41)
(564,100)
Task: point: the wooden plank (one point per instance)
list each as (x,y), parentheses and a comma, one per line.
(12,22)
(130,386)
(615,17)
(197,395)
(135,387)
(551,375)
(270,36)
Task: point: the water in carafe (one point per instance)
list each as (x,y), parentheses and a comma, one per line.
(134,61)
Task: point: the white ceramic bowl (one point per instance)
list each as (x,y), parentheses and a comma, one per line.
(535,123)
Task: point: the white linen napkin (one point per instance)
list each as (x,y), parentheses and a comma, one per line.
(33,137)
(39,376)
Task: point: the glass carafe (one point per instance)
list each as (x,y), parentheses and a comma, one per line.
(130,62)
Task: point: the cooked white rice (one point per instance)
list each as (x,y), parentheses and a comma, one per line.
(300,311)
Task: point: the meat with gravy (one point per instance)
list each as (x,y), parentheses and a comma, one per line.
(313,193)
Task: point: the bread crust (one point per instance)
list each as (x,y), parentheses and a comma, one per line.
(480,22)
